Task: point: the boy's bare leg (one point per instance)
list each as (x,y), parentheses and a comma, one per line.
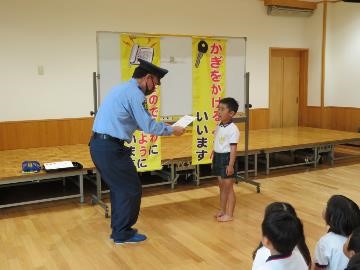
(231,201)
(228,186)
(223,199)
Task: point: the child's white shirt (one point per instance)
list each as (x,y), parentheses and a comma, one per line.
(225,135)
(329,252)
(296,261)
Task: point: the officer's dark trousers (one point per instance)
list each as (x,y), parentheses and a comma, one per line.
(118,171)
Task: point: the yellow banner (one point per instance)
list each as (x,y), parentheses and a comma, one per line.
(146,148)
(208,86)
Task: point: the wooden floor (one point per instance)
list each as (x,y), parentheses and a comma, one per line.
(182,232)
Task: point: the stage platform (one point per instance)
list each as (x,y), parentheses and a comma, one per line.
(176,156)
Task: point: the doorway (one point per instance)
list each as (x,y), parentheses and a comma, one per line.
(288,87)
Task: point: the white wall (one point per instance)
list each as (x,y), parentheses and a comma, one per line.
(342,84)
(313,37)
(61,36)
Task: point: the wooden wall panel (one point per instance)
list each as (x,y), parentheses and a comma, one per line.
(259,118)
(42,133)
(343,118)
(312,117)
(338,118)
(327,118)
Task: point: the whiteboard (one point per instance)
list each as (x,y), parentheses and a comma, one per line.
(176,56)
(108,62)
(176,86)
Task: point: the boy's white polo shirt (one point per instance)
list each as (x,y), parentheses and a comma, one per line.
(225,135)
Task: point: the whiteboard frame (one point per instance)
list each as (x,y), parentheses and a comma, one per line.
(242,106)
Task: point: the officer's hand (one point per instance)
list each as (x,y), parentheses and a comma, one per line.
(177,131)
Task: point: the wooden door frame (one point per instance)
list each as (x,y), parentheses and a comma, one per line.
(303,80)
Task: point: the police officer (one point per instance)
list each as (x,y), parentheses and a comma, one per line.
(120,114)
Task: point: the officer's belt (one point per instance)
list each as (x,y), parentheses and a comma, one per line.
(108,138)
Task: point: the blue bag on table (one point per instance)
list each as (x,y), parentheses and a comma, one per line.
(31,166)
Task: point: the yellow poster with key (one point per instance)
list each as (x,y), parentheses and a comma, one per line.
(146,148)
(208,87)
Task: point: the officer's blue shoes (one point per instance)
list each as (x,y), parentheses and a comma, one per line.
(132,229)
(137,238)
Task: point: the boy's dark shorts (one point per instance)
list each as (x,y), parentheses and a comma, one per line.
(219,165)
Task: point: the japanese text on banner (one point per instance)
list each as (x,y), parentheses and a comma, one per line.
(208,88)
(145,148)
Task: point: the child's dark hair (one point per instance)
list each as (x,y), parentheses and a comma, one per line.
(283,230)
(342,215)
(354,263)
(231,103)
(280,206)
(286,207)
(354,241)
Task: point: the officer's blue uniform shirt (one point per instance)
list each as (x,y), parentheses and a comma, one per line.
(123,111)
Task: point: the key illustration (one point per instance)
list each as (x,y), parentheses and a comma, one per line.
(202,48)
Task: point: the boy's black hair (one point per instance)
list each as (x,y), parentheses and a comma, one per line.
(342,215)
(354,263)
(283,230)
(354,241)
(231,103)
(287,207)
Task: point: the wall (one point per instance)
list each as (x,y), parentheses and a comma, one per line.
(342,84)
(313,39)
(342,65)
(61,37)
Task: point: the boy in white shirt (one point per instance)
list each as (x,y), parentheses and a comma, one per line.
(225,146)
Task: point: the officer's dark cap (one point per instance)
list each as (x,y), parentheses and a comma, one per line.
(153,69)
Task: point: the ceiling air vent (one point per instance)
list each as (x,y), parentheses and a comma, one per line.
(290,7)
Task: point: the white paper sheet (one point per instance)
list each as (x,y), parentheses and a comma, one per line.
(184,121)
(58,165)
